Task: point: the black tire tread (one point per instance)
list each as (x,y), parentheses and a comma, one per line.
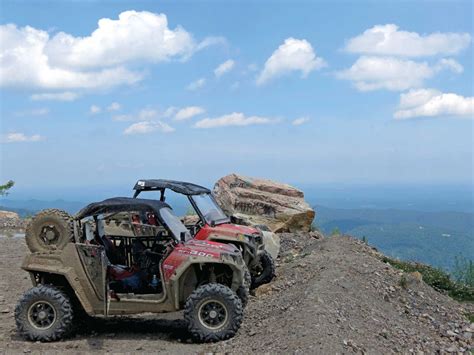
(268,273)
(244,291)
(30,234)
(65,314)
(209,290)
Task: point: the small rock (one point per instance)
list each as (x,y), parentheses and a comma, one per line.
(452,349)
(451,333)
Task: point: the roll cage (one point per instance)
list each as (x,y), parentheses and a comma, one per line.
(161,210)
(191,191)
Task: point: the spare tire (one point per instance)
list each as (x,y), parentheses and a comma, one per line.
(50,229)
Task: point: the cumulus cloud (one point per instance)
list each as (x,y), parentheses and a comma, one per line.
(145,127)
(293,55)
(233,119)
(300,121)
(431,103)
(58,96)
(188,112)
(223,68)
(389,40)
(195,85)
(114,106)
(373,73)
(17,137)
(30,57)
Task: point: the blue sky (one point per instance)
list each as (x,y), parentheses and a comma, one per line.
(307,92)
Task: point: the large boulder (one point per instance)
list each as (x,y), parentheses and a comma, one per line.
(254,202)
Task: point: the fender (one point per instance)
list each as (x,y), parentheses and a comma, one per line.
(66,263)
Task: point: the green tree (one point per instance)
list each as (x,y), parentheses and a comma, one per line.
(336,231)
(5,187)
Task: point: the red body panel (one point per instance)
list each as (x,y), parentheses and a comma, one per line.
(226,229)
(182,252)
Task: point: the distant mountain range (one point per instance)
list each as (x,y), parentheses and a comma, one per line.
(434,238)
(29,207)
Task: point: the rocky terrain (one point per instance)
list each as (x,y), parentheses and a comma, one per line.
(331,295)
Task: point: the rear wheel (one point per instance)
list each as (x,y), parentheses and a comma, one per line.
(264,272)
(50,229)
(213,312)
(44,313)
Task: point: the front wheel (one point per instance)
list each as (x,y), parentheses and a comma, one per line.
(44,313)
(213,312)
(264,271)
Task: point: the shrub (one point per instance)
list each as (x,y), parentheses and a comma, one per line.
(436,278)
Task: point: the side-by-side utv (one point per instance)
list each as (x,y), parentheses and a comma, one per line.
(215,225)
(128,256)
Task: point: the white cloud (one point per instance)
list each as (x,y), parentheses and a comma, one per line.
(30,57)
(24,63)
(16,137)
(188,112)
(223,68)
(233,119)
(57,96)
(134,36)
(389,40)
(94,109)
(373,73)
(114,106)
(450,64)
(431,103)
(292,55)
(300,121)
(148,127)
(195,85)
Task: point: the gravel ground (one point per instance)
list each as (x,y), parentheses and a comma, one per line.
(331,295)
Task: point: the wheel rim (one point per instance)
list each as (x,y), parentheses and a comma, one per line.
(41,315)
(259,268)
(212,314)
(49,234)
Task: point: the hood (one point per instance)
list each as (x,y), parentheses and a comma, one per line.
(209,247)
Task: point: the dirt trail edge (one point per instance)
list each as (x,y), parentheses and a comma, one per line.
(330,295)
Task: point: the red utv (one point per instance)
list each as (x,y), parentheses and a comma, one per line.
(215,225)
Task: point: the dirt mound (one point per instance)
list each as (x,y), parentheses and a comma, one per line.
(331,295)
(336,295)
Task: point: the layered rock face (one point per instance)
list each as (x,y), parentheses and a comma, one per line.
(280,207)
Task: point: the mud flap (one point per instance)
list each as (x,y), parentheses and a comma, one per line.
(94,261)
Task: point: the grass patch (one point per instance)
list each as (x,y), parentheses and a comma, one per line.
(436,278)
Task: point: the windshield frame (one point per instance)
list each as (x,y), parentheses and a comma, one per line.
(223,220)
(173,223)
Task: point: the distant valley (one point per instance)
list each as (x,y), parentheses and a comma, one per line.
(435,238)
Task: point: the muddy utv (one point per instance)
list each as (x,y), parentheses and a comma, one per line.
(128,256)
(213,224)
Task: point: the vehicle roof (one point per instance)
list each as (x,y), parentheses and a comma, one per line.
(185,188)
(122,204)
